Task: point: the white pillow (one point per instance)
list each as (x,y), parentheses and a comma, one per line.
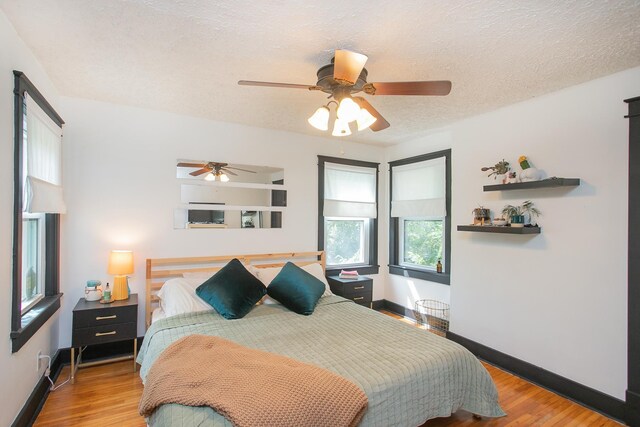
(266,276)
(178,296)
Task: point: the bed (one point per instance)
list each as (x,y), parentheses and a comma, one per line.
(408,374)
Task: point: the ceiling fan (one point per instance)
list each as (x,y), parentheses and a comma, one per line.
(346,76)
(214,170)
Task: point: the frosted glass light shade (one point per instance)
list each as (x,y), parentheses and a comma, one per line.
(341,128)
(365,119)
(210,177)
(224,177)
(120,263)
(320,119)
(348,110)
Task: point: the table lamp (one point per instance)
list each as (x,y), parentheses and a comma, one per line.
(120,264)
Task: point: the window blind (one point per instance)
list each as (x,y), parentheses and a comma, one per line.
(419,189)
(43,162)
(349,191)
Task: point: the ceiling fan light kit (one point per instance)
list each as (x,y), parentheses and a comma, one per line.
(214,170)
(365,119)
(341,128)
(346,76)
(348,110)
(320,119)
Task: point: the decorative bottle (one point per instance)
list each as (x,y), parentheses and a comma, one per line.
(439,267)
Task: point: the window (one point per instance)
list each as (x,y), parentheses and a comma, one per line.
(422,241)
(37,205)
(347,241)
(420,226)
(32,260)
(347,214)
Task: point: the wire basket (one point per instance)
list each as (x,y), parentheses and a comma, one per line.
(433,315)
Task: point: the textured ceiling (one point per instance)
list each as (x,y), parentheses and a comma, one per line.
(186,56)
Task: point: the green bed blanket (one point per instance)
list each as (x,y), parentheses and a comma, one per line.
(409,375)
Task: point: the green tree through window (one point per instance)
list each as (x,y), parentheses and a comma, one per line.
(423,242)
(345,241)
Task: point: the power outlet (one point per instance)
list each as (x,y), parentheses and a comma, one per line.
(38,361)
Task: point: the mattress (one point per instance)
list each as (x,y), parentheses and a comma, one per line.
(409,375)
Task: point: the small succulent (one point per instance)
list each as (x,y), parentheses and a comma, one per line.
(499,168)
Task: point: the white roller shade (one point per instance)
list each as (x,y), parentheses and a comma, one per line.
(349,191)
(43,162)
(419,189)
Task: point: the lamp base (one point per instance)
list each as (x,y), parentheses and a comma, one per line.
(120,288)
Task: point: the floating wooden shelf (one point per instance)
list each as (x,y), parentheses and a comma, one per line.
(544,183)
(496,229)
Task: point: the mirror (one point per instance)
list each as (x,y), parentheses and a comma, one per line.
(222,195)
(234,196)
(217,219)
(221,172)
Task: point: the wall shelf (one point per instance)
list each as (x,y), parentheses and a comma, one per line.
(544,183)
(496,229)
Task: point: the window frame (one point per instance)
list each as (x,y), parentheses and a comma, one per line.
(395,252)
(371,266)
(25,325)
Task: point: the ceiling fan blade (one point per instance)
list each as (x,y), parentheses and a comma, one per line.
(381,123)
(434,88)
(200,172)
(191,165)
(271,84)
(225,170)
(348,65)
(238,169)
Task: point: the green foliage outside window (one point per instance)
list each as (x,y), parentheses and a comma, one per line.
(345,243)
(423,242)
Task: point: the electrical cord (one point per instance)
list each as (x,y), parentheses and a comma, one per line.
(47,373)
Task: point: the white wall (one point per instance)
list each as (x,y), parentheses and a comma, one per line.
(18,375)
(558,299)
(121,189)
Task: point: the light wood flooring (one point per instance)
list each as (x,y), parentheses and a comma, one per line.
(108,395)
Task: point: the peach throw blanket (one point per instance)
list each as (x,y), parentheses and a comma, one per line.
(251,388)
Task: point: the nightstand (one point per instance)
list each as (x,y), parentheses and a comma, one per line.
(358,290)
(95,323)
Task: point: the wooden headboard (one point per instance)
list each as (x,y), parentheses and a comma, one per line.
(159,270)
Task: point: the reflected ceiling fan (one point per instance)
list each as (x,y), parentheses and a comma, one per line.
(346,76)
(214,170)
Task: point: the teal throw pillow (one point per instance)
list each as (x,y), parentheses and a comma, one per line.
(232,291)
(296,289)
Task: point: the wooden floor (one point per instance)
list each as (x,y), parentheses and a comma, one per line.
(108,395)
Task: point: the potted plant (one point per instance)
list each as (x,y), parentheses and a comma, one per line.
(480,215)
(528,173)
(516,214)
(499,170)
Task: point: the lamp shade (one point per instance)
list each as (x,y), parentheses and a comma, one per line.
(210,177)
(365,119)
(120,263)
(224,177)
(320,119)
(348,110)
(341,128)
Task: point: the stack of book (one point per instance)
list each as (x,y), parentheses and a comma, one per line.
(349,274)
